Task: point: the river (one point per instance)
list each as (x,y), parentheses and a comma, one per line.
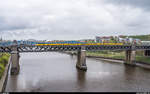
(56,72)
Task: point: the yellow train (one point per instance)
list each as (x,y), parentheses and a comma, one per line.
(80,44)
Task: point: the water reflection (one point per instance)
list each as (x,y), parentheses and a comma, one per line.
(129,72)
(81,78)
(13,82)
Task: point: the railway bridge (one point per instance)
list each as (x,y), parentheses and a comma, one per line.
(15,49)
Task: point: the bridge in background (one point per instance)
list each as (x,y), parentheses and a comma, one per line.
(14,49)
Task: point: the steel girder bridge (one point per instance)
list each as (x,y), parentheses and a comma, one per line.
(15,49)
(46,48)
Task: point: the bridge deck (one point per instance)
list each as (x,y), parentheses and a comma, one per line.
(45,48)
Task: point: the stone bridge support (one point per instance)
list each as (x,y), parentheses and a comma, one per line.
(15,68)
(147,53)
(81,59)
(15,63)
(130,57)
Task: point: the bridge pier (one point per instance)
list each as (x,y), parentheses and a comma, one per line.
(15,67)
(81,59)
(147,53)
(130,57)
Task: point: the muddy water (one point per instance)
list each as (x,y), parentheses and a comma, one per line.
(56,72)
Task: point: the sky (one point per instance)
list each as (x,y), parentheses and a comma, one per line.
(73,19)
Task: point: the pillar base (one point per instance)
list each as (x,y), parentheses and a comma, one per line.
(129,63)
(130,57)
(15,71)
(84,68)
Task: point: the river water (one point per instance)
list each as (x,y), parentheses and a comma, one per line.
(56,72)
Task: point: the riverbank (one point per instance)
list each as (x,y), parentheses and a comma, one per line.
(3,62)
(4,68)
(109,55)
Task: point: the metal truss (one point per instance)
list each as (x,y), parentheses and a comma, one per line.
(33,48)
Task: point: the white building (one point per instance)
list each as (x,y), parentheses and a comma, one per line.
(145,42)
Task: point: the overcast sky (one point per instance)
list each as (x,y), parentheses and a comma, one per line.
(73,19)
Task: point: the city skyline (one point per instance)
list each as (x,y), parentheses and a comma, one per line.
(72,19)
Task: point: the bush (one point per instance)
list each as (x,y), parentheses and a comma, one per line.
(3,63)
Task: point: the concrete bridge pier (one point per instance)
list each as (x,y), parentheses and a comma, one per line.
(147,53)
(130,57)
(81,59)
(15,67)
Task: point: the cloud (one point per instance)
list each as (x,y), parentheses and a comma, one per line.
(144,4)
(70,19)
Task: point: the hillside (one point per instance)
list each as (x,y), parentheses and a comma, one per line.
(141,37)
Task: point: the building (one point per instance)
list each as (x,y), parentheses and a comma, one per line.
(103,39)
(128,40)
(87,40)
(98,39)
(117,39)
(136,41)
(145,42)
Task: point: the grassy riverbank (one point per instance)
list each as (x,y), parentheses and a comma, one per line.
(107,54)
(119,55)
(3,62)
